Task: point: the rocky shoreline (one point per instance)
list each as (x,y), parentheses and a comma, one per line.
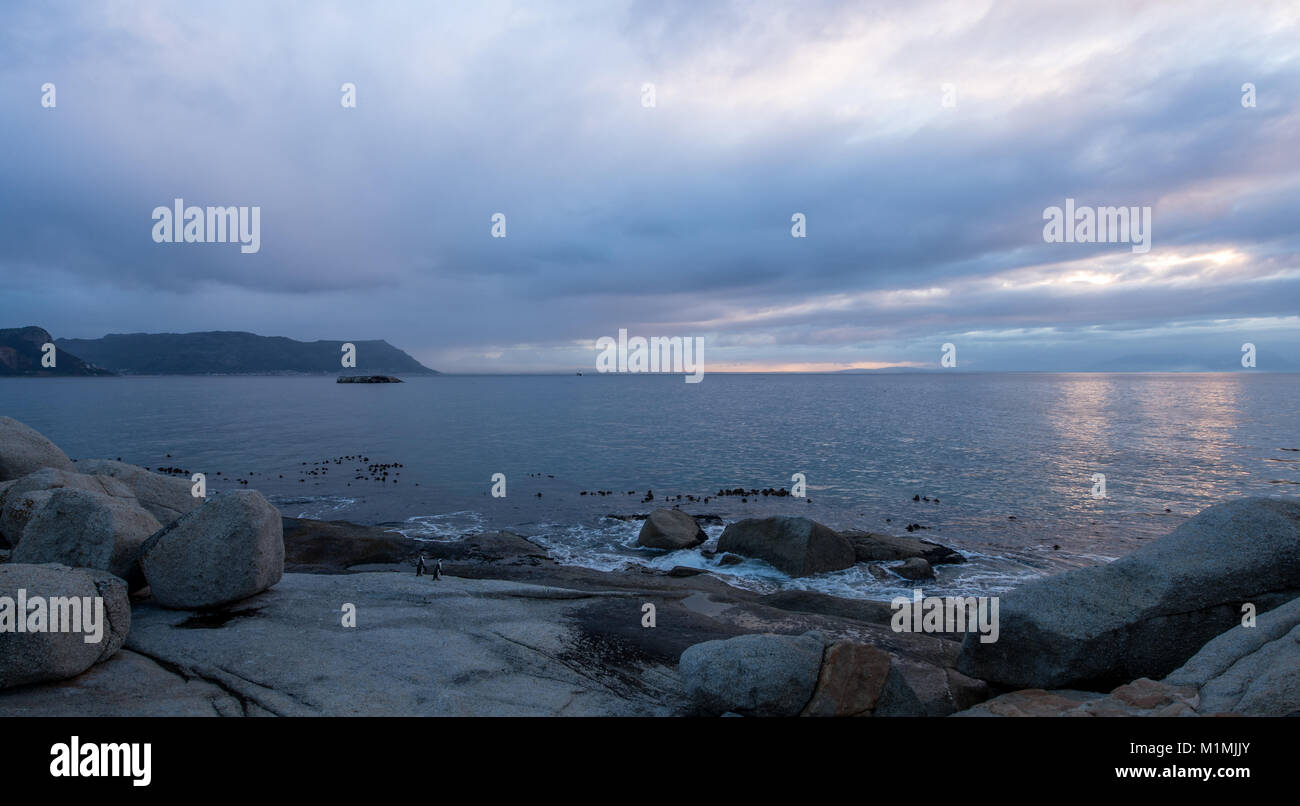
(223,607)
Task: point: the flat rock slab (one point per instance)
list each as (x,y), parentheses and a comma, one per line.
(420,647)
(128,684)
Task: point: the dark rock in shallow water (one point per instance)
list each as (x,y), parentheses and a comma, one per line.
(640,516)
(915,569)
(331,547)
(797,546)
(670,529)
(1144,614)
(685,571)
(876,547)
(335,547)
(879,572)
(367,379)
(492,547)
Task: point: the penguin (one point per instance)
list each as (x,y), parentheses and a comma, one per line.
(437,570)
(420,569)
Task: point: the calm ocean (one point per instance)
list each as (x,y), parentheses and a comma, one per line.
(989,447)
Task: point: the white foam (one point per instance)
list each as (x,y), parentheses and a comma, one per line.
(312,507)
(446,527)
(610,545)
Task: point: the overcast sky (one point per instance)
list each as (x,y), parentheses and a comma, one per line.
(924,220)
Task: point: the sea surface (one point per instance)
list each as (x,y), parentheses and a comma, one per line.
(1007,460)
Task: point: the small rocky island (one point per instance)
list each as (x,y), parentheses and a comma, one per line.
(368,379)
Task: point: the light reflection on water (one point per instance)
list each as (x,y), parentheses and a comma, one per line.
(988,446)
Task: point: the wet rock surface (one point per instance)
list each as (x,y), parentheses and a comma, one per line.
(670,529)
(797,546)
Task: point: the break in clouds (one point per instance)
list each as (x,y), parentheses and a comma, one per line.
(922,144)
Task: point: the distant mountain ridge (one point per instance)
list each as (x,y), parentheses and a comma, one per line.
(21,353)
(223,352)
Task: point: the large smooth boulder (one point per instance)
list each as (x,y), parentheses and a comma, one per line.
(167,497)
(21,498)
(797,546)
(1145,614)
(915,569)
(1249,670)
(753,675)
(32,657)
(230,548)
(875,547)
(670,529)
(23,450)
(83,529)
